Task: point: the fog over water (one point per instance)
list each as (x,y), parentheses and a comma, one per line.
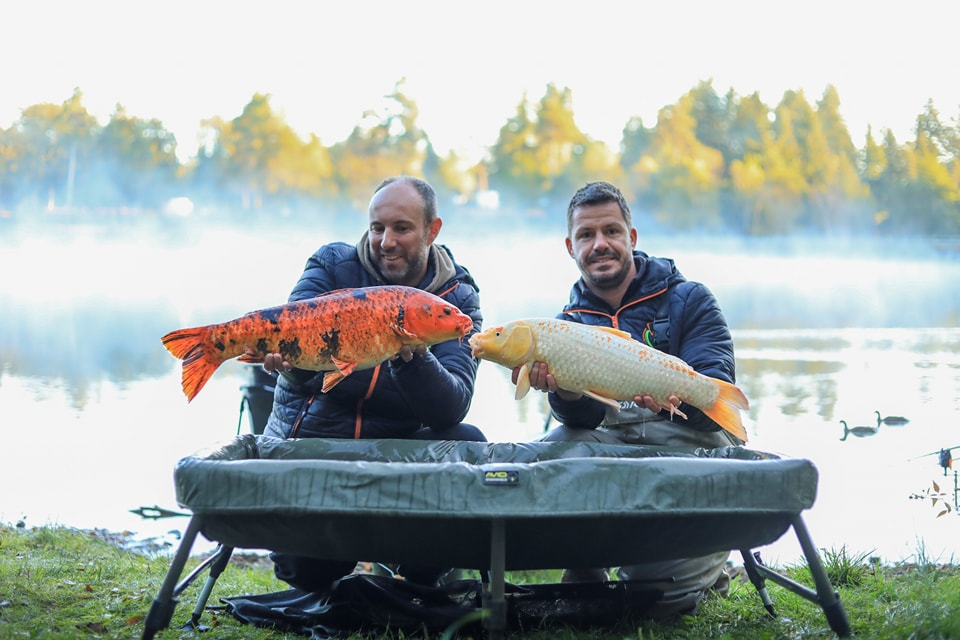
(94,419)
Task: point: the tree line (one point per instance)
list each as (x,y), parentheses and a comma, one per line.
(711,161)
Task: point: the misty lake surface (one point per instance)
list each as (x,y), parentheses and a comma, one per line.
(94,420)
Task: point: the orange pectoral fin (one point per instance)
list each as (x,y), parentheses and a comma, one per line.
(345,368)
(331,379)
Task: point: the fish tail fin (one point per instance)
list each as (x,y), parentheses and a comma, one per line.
(725,410)
(198,364)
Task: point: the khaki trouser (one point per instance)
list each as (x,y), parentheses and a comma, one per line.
(684,581)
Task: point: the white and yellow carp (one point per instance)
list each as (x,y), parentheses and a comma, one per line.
(608,365)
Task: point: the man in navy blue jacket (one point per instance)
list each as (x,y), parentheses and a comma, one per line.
(421,393)
(649,298)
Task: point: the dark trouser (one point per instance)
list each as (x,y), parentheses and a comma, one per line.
(684,581)
(317,574)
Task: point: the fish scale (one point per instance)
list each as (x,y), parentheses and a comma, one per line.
(617,364)
(609,366)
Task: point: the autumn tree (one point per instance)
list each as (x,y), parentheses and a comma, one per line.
(541,156)
(684,175)
(765,181)
(135,163)
(387,142)
(55,142)
(257,156)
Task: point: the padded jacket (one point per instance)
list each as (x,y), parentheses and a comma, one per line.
(433,391)
(698,335)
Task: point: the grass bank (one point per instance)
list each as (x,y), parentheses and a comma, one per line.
(58,582)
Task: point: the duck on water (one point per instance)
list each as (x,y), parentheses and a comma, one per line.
(860,431)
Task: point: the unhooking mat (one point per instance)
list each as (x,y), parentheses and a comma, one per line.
(492,507)
(343,499)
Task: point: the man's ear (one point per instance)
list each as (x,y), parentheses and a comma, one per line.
(434,230)
(569,246)
(633,237)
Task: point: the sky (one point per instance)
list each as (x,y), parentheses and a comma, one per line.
(468,65)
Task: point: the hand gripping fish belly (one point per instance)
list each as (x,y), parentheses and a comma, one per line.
(609,366)
(340,332)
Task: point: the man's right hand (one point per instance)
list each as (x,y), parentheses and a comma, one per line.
(275,362)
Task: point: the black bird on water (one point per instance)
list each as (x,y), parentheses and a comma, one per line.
(861,431)
(891,421)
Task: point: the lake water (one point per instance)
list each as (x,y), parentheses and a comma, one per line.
(93,418)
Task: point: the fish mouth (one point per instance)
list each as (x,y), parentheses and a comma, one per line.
(475,347)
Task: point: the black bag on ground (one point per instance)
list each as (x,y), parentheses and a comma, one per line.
(370,602)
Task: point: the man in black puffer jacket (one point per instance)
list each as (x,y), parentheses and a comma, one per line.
(649,298)
(421,393)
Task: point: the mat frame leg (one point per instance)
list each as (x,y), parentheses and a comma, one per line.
(494,593)
(218,562)
(824,594)
(161,610)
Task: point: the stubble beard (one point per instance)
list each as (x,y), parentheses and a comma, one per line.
(606,280)
(401,272)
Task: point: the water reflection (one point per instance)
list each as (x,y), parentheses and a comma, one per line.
(79,343)
(80,354)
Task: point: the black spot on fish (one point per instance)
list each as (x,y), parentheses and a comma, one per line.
(400,316)
(262,346)
(332,341)
(219,345)
(291,348)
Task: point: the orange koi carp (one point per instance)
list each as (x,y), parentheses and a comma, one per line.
(341,331)
(608,365)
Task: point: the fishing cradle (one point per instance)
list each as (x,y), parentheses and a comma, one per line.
(492,507)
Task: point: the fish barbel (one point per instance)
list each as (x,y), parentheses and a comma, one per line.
(340,332)
(609,366)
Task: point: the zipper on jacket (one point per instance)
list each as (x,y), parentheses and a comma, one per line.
(301,415)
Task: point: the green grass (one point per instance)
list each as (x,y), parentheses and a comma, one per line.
(57,582)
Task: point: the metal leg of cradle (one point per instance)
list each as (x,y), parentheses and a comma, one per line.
(161,611)
(218,562)
(824,595)
(494,594)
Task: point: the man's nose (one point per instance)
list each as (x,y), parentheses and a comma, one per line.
(600,243)
(388,239)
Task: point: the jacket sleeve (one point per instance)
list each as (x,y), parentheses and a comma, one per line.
(701,338)
(320,274)
(439,387)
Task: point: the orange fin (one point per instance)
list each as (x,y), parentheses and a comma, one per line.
(198,365)
(330,380)
(617,332)
(345,368)
(725,410)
